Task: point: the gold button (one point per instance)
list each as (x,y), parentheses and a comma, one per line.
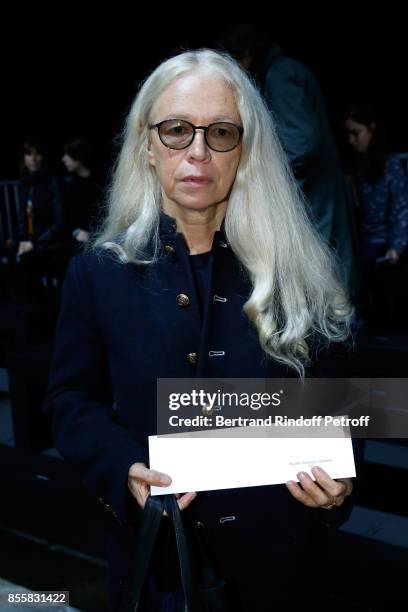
(169,249)
(183,300)
(192,358)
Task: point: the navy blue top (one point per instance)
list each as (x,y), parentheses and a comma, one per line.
(384,207)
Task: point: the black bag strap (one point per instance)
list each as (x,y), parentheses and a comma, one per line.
(204,590)
(151,518)
(185,561)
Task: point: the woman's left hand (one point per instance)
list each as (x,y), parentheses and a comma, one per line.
(324,492)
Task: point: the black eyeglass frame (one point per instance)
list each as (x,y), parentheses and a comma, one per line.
(199,127)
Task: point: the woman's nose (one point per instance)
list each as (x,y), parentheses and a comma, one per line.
(199,148)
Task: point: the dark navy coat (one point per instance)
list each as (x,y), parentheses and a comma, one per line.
(121,326)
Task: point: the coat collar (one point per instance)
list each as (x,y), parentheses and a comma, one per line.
(167,225)
(168,228)
(169,235)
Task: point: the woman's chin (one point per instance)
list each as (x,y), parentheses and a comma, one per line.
(195,203)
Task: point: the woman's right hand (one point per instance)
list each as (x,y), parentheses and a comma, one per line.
(140,478)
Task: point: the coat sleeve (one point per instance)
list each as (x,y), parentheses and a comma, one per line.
(79,401)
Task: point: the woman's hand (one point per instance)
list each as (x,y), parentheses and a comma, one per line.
(140,478)
(24,247)
(324,492)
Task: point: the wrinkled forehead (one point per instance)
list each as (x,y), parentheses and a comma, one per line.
(202,98)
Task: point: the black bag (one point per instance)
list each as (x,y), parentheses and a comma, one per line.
(204,590)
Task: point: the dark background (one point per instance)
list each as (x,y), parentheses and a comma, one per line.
(66,75)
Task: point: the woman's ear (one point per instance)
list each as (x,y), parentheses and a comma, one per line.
(150,154)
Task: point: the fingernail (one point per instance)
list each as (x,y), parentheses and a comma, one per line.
(291,482)
(166,480)
(316,469)
(301,475)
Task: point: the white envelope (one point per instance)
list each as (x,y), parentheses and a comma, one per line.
(204,461)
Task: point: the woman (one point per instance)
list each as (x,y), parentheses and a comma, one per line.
(81,197)
(81,194)
(39,218)
(206,267)
(382,187)
(40,210)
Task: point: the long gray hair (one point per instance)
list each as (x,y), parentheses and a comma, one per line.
(295,291)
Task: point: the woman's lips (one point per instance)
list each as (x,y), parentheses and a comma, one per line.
(196,181)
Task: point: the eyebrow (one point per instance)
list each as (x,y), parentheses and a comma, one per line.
(217,119)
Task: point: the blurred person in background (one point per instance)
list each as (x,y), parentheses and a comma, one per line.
(82,192)
(40,218)
(299,111)
(382,187)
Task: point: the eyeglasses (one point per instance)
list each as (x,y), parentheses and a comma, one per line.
(179,134)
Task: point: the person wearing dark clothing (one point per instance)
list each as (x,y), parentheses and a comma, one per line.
(207,266)
(40,209)
(302,123)
(81,201)
(383,212)
(82,193)
(381,187)
(40,219)
(81,198)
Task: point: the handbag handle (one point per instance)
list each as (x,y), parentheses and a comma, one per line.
(151,518)
(186,569)
(207,593)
